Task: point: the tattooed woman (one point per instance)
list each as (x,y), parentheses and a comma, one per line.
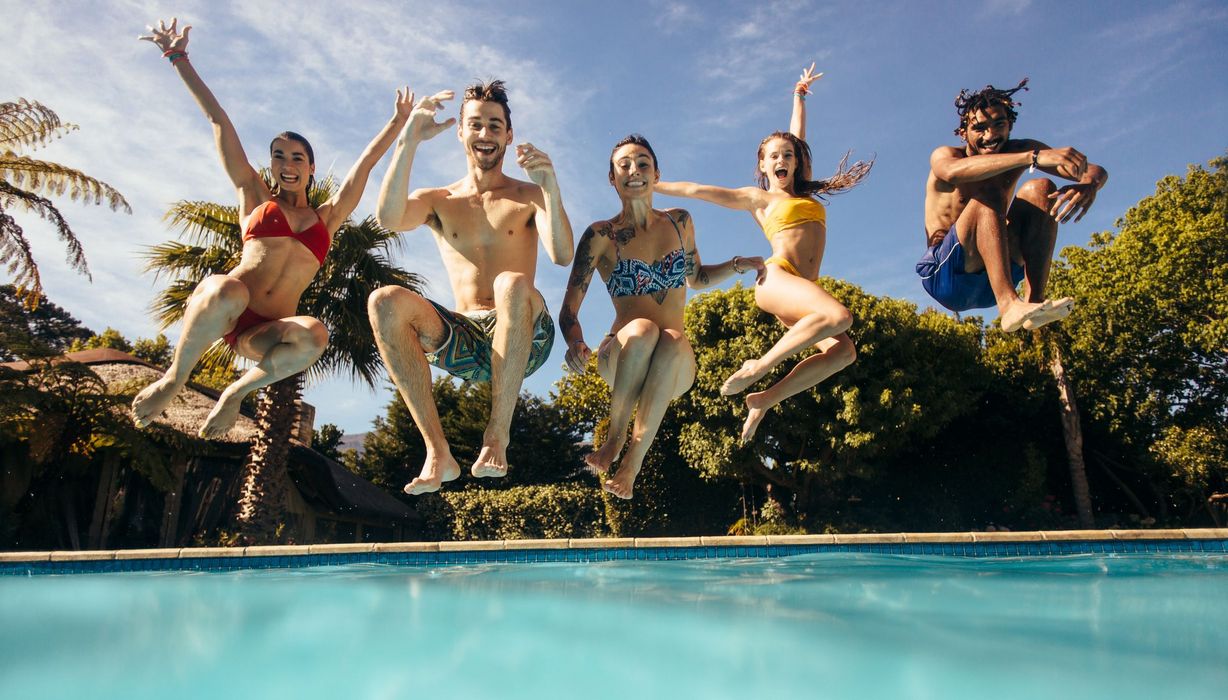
(795,223)
(253,308)
(646,257)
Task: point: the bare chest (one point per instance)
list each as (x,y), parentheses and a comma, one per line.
(485,221)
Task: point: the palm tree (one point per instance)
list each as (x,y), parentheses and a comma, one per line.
(26,124)
(357,264)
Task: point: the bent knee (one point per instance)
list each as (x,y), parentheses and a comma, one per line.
(223,289)
(389,301)
(844,352)
(1037,191)
(510,283)
(641,330)
(308,334)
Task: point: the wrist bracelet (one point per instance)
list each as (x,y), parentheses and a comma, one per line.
(1035,156)
(175,56)
(734,263)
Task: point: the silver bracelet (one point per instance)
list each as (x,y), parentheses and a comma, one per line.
(734,264)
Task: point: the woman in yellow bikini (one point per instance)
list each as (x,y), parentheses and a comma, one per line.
(795,224)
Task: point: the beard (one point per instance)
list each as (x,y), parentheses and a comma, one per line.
(488,162)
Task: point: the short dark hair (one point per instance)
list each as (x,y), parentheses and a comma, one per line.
(493,91)
(969,103)
(638,141)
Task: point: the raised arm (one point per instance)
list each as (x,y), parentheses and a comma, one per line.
(1073,201)
(251,188)
(397,208)
(700,276)
(591,248)
(346,199)
(797,122)
(745,198)
(553,226)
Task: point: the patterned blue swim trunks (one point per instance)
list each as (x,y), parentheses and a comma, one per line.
(466,352)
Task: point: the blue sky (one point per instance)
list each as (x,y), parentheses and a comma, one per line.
(1139,87)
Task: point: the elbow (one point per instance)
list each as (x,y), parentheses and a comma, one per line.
(562,257)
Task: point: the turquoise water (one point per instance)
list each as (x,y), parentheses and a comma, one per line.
(827,625)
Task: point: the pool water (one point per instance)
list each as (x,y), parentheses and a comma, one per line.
(811,626)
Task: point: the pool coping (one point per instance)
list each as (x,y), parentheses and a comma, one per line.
(312,554)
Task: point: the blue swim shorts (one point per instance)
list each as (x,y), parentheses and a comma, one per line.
(942,275)
(466,351)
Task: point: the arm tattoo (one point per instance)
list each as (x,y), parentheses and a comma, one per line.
(567,319)
(582,267)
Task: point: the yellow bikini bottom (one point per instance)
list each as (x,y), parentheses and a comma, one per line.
(786,266)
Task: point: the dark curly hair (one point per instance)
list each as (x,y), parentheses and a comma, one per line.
(969,103)
(493,91)
(845,178)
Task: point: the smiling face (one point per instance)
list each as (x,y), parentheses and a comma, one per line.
(778,161)
(633,171)
(986,130)
(484,132)
(290,164)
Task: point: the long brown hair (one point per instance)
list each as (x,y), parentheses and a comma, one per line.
(844,179)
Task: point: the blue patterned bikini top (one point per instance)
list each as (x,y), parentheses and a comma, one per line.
(632,277)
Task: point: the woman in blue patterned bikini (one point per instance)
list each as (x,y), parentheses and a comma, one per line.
(795,224)
(647,258)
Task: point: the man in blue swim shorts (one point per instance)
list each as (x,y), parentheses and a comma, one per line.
(487,227)
(982,241)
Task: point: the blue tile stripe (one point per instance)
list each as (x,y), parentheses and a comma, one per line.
(958,549)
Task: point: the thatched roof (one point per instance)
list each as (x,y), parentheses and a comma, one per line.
(330,486)
(124,373)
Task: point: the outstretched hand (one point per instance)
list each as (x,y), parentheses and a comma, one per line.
(1072,201)
(536,164)
(755,263)
(422,125)
(804,82)
(168,38)
(577,356)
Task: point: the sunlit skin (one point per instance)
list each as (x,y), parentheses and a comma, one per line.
(272,273)
(487,227)
(645,358)
(972,188)
(813,317)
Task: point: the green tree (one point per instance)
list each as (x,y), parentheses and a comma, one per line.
(811,453)
(46,329)
(23,181)
(356,265)
(1147,346)
(327,441)
(109,338)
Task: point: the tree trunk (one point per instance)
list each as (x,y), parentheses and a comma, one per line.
(1072,431)
(265,497)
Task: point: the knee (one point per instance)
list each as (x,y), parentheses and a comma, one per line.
(1037,192)
(844,352)
(223,290)
(833,321)
(641,331)
(672,345)
(512,286)
(311,335)
(387,303)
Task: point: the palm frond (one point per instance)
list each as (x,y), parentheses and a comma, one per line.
(168,306)
(44,208)
(15,254)
(30,124)
(207,224)
(56,179)
(189,262)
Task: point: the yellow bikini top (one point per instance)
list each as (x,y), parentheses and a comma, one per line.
(784,214)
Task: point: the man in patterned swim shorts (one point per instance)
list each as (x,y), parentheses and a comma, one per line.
(487,227)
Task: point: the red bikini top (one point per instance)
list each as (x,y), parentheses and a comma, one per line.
(268,221)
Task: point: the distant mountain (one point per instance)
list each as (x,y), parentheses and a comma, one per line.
(352,442)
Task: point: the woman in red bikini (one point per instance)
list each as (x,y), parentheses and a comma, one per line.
(795,224)
(254,306)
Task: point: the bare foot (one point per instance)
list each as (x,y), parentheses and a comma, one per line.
(1054,310)
(1018,313)
(152,401)
(743,378)
(598,461)
(222,418)
(491,461)
(755,411)
(434,473)
(622,484)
